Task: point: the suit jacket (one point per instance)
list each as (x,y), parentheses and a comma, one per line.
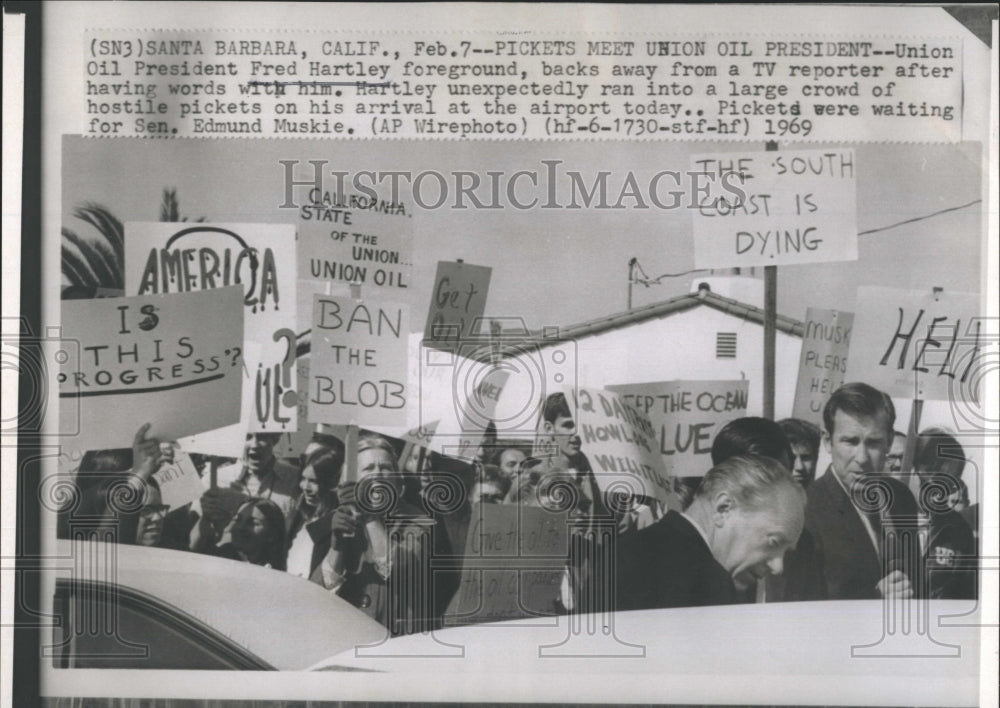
(669,564)
(835,558)
(951,550)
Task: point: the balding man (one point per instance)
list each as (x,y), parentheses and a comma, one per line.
(745,514)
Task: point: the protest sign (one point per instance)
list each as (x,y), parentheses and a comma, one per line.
(774,208)
(421,435)
(477,387)
(174,361)
(620,443)
(229,440)
(826,341)
(179,481)
(368,248)
(686,415)
(926,345)
(513,565)
(543,444)
(293,442)
(358,366)
(458,302)
(166,257)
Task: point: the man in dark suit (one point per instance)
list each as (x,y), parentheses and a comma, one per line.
(860,539)
(746,513)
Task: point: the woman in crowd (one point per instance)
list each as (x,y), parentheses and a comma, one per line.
(118,487)
(256,535)
(309,530)
(380,554)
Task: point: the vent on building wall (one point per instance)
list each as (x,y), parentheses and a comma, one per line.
(725,345)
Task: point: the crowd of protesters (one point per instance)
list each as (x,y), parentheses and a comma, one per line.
(759,525)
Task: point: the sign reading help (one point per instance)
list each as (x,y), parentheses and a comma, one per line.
(686,415)
(918,344)
(175,361)
(620,442)
(774,208)
(358,363)
(173,258)
(458,302)
(823,361)
(374,250)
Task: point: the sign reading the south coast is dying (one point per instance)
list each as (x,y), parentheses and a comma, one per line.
(162,258)
(774,208)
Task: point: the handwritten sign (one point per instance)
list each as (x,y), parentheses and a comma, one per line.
(421,435)
(501,578)
(621,444)
(174,361)
(918,344)
(373,250)
(358,367)
(476,388)
(230,440)
(293,442)
(458,301)
(179,482)
(774,208)
(172,258)
(686,415)
(823,361)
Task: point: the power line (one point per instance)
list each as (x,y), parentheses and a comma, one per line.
(646,281)
(919,218)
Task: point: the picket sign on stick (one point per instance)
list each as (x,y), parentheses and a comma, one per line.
(351,443)
(179,481)
(826,342)
(173,360)
(458,302)
(358,367)
(620,443)
(166,257)
(686,416)
(912,430)
(921,345)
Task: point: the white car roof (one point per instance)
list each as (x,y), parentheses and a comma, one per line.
(287,621)
(705,654)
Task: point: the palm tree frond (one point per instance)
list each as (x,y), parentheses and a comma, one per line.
(99,258)
(76,270)
(117,275)
(169,208)
(107,224)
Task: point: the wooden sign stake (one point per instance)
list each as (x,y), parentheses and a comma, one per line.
(770,324)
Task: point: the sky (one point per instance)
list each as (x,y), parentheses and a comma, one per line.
(557,267)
